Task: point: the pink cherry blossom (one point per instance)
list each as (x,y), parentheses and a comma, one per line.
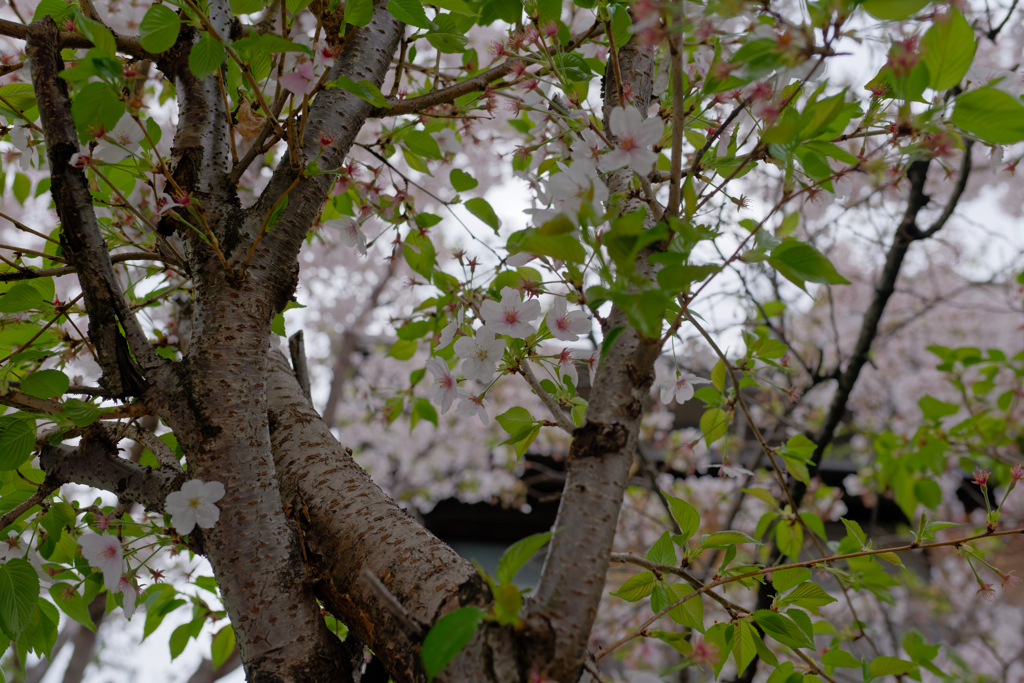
(567,326)
(129,589)
(104,552)
(567,367)
(297,81)
(635,137)
(511,315)
(473,405)
(444,389)
(678,386)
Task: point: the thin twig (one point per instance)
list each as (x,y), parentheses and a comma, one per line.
(549,402)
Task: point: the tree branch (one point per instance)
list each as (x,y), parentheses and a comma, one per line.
(82,239)
(414,105)
(129,45)
(337,113)
(549,402)
(94,462)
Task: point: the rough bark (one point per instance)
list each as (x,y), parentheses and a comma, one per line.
(81,238)
(349,524)
(573,579)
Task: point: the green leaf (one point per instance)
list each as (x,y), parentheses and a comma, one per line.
(21,187)
(892,10)
(637,587)
(158,30)
(422,144)
(22,97)
(991,115)
(462,181)
(448,36)
(45,384)
(206,57)
(17,441)
(934,409)
(403,349)
(358,12)
(277,325)
(854,530)
(419,253)
(21,297)
(516,420)
(890,666)
(19,593)
(722,539)
(479,207)
(246,6)
(663,552)
(222,646)
(714,423)
(55,9)
(948,49)
(410,12)
(689,613)
(808,595)
(72,604)
(743,647)
(80,413)
(423,409)
(686,517)
(96,106)
(679,279)
(518,554)
(784,579)
(180,637)
(799,262)
(555,238)
(782,629)
(621,23)
(840,658)
(364,90)
(447,638)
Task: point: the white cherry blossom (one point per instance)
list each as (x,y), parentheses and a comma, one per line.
(678,386)
(567,326)
(104,552)
(588,147)
(635,137)
(480,355)
(128,588)
(121,142)
(443,390)
(473,405)
(351,234)
(447,142)
(511,315)
(194,505)
(448,333)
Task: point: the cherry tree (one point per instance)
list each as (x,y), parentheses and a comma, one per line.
(196,153)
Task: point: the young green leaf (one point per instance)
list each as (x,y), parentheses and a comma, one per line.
(358,12)
(158,30)
(518,554)
(637,587)
(206,57)
(45,384)
(447,638)
(19,593)
(686,516)
(479,207)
